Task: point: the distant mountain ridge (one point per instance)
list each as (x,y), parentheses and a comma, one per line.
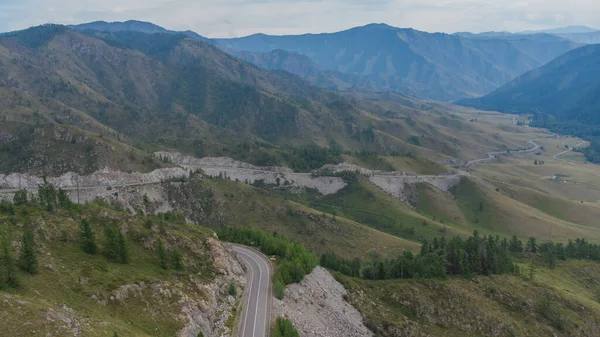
(578,34)
(428,66)
(383,58)
(564,94)
(134,26)
(562,30)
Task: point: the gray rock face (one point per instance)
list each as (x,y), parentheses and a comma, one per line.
(210,315)
(124,187)
(399,184)
(244,172)
(105,177)
(317,308)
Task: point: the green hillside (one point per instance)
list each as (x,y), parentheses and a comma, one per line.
(72,290)
(562,94)
(559,302)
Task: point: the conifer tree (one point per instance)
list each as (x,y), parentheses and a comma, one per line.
(20,197)
(88,239)
(8,267)
(116,245)
(28,258)
(63,199)
(111,249)
(177,260)
(162,255)
(123,251)
(532,245)
(47,195)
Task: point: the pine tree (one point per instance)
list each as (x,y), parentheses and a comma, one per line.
(20,197)
(531,245)
(162,255)
(28,258)
(8,267)
(123,251)
(47,195)
(111,249)
(515,245)
(177,261)
(63,199)
(88,239)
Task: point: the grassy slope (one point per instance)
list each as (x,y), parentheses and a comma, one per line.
(365,203)
(500,214)
(239,204)
(496,305)
(85,283)
(416,165)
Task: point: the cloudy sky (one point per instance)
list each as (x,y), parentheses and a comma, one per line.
(229,18)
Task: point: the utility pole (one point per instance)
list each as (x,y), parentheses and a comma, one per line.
(78,189)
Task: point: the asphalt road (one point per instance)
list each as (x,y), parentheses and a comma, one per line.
(492,155)
(256,309)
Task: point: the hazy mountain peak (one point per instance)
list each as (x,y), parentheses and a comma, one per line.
(132,25)
(426,65)
(141,26)
(563,30)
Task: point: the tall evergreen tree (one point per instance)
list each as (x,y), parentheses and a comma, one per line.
(28,258)
(87,237)
(47,195)
(163,259)
(63,199)
(532,245)
(115,247)
(515,245)
(177,260)
(8,267)
(123,250)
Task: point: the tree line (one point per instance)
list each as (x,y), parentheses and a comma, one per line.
(294,261)
(477,255)
(481,255)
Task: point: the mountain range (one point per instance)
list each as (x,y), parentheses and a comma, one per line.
(563,94)
(80,101)
(424,65)
(379,57)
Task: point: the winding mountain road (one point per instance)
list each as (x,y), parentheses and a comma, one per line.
(567,151)
(492,155)
(256,313)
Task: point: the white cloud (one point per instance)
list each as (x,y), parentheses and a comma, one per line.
(215,18)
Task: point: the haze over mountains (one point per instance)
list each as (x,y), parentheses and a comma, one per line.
(145,87)
(113,97)
(428,66)
(327,144)
(564,94)
(384,58)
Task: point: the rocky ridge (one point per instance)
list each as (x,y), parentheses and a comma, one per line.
(101,184)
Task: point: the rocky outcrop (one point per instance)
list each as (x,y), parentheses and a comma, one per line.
(281,177)
(104,177)
(317,308)
(122,187)
(210,315)
(399,184)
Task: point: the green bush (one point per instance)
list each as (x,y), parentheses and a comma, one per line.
(232,291)
(283,328)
